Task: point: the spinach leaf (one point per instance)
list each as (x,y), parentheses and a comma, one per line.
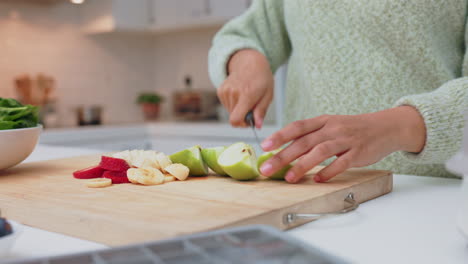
(15,115)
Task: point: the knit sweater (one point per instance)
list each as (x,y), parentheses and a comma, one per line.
(350,57)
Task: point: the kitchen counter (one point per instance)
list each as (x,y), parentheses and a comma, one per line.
(166,129)
(416,223)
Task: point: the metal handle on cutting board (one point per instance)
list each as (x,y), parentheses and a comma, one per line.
(290,218)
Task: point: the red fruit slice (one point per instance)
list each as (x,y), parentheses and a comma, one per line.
(116,176)
(113,164)
(89,173)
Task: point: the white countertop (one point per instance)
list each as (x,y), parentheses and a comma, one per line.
(166,129)
(416,223)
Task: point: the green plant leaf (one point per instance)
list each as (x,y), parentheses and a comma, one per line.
(152,98)
(15,115)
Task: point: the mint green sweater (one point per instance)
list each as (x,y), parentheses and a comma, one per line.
(354,57)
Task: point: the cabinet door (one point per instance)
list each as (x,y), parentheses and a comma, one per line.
(131,14)
(111,15)
(226,9)
(177,13)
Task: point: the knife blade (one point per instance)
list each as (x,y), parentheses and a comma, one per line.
(249,119)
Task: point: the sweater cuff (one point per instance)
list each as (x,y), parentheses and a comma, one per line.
(220,54)
(444,122)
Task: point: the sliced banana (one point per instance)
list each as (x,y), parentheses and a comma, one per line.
(133,174)
(145,176)
(169,178)
(137,158)
(163,161)
(151,163)
(180,171)
(99,183)
(125,155)
(153,177)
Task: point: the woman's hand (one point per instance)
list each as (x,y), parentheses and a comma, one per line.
(356,141)
(249,86)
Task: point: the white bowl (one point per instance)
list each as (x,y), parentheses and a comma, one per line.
(17,145)
(7,242)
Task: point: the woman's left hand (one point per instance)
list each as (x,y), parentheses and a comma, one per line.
(356,141)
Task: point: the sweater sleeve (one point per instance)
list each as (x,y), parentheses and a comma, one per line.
(261,28)
(443,112)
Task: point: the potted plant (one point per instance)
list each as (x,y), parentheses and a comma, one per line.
(150,103)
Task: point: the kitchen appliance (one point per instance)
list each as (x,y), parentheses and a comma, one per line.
(195,104)
(256,244)
(89,115)
(45,195)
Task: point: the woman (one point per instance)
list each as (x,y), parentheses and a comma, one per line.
(389,75)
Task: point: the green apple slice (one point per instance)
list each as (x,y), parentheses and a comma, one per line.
(279,175)
(191,158)
(210,156)
(239,162)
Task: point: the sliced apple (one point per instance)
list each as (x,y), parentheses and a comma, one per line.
(239,161)
(191,158)
(210,156)
(279,175)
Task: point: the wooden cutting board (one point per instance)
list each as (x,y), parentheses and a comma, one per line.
(45,195)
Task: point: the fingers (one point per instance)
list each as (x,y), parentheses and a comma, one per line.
(233,100)
(295,150)
(261,109)
(338,166)
(240,110)
(292,131)
(317,155)
(221,96)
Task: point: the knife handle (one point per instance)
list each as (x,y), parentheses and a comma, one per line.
(249,118)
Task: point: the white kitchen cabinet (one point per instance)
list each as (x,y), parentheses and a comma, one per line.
(100,16)
(153,16)
(227,9)
(174,14)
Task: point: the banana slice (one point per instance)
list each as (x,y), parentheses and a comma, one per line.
(153,177)
(145,176)
(163,161)
(125,155)
(133,174)
(150,163)
(137,158)
(180,171)
(99,183)
(169,178)
(140,158)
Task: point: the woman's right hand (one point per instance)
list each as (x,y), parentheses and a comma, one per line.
(249,86)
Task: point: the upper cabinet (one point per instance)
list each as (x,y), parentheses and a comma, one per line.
(101,16)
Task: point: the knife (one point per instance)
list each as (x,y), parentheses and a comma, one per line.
(249,119)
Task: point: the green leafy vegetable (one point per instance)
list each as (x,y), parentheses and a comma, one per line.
(15,115)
